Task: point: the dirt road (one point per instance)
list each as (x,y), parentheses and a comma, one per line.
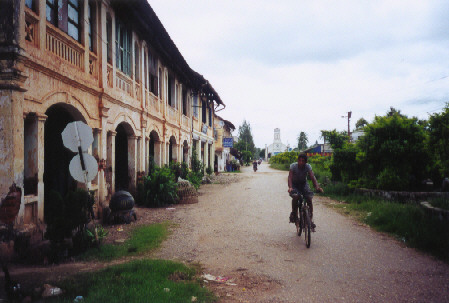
(241,231)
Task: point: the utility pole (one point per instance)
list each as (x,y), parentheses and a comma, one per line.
(349,130)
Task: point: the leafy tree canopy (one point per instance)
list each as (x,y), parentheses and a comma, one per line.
(361,123)
(245,141)
(393,152)
(302,141)
(336,139)
(438,128)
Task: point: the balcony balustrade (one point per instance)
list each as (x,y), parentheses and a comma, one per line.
(124,83)
(172,114)
(64,47)
(185,121)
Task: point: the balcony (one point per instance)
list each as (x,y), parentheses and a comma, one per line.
(185,121)
(64,47)
(172,114)
(124,83)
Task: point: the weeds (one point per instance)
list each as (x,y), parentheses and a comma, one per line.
(407,222)
(137,281)
(142,239)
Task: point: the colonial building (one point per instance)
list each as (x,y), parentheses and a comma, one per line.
(110,64)
(277,146)
(222,131)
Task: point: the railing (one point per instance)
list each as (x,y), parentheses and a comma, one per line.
(110,76)
(93,66)
(154,104)
(124,83)
(172,114)
(65,48)
(145,92)
(185,121)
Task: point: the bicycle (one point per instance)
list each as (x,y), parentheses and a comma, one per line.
(303,222)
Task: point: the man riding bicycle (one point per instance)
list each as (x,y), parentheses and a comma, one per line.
(297,180)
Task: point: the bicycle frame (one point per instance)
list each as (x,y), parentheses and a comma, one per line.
(303,222)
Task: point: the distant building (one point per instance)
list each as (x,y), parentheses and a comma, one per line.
(277,146)
(222,131)
(356,134)
(319,149)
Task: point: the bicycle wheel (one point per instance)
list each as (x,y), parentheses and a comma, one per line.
(307,228)
(299,224)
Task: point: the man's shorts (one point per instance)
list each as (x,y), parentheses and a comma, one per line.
(305,191)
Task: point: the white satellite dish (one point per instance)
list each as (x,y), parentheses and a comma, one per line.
(221,123)
(77,136)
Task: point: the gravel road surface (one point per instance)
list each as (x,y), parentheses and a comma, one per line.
(240,231)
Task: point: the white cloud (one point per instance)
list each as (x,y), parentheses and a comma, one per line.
(301,65)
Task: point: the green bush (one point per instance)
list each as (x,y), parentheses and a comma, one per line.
(159,188)
(195,179)
(209,170)
(176,169)
(285,158)
(197,165)
(184,170)
(68,215)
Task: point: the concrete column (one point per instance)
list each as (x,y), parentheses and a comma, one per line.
(132,163)
(158,153)
(40,166)
(97,152)
(139,155)
(110,163)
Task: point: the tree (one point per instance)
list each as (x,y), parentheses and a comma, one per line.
(392,153)
(302,141)
(360,123)
(336,139)
(438,128)
(245,141)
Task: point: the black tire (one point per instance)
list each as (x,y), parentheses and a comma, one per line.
(307,229)
(299,225)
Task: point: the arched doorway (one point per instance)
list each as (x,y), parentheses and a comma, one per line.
(121,157)
(153,150)
(57,157)
(172,148)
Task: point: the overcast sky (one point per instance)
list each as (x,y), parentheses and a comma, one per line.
(301,65)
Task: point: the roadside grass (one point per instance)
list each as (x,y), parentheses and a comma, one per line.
(407,222)
(143,239)
(137,281)
(280,166)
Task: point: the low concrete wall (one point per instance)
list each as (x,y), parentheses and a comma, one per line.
(442,214)
(402,196)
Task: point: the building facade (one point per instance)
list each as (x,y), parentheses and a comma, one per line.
(110,64)
(222,129)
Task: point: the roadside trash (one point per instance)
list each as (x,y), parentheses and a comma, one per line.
(194,299)
(244,289)
(219,279)
(51,291)
(170,208)
(78,299)
(368,214)
(167,289)
(120,228)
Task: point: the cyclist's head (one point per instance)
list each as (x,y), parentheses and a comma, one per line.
(302,156)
